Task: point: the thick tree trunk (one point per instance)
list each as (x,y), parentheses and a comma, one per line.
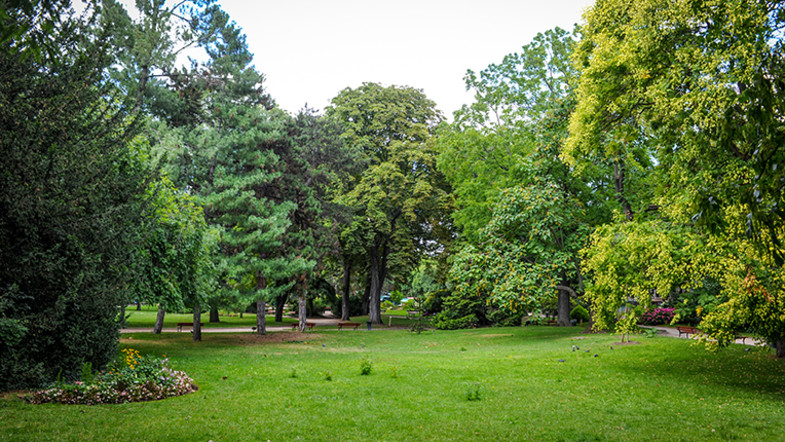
(564,308)
(197,322)
(261,317)
(347,287)
(280,303)
(565,292)
(779,348)
(159,321)
(214,315)
(374,309)
(301,301)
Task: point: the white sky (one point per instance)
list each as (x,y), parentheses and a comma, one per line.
(309,50)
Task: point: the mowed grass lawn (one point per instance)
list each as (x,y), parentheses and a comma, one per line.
(276,388)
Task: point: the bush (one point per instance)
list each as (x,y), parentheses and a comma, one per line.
(658,316)
(442,321)
(579,313)
(132,379)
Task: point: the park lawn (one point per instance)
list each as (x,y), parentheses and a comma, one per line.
(145,318)
(660,389)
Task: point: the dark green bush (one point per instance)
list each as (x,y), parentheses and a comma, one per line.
(442,321)
(579,313)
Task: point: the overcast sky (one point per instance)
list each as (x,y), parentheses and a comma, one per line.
(309,50)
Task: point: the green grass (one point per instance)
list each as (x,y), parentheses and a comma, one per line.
(146,319)
(420,388)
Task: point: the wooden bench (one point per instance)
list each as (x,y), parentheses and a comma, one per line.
(180,325)
(308,325)
(742,337)
(552,322)
(687,331)
(343,324)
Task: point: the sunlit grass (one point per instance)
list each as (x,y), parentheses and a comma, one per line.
(420,385)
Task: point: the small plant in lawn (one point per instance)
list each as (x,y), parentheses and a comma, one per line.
(365,366)
(293,373)
(132,378)
(473,391)
(328,376)
(394,373)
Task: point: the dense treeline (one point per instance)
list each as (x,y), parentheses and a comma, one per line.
(596,167)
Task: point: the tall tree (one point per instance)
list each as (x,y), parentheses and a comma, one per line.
(70,192)
(399,192)
(699,86)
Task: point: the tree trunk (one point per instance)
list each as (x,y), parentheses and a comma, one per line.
(138,306)
(366,295)
(280,303)
(261,306)
(261,317)
(564,308)
(159,321)
(197,322)
(347,286)
(301,311)
(214,315)
(122,317)
(374,312)
(779,347)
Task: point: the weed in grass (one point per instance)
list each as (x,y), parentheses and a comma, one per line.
(365,366)
(474,391)
(293,374)
(328,376)
(463,348)
(394,373)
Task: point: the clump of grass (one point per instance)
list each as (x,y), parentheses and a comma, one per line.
(365,366)
(474,391)
(293,373)
(394,373)
(328,375)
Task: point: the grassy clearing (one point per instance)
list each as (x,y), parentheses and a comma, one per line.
(420,388)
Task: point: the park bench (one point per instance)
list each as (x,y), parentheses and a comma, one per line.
(552,322)
(180,325)
(687,331)
(742,337)
(343,324)
(308,325)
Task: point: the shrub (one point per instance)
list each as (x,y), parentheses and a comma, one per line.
(579,313)
(134,378)
(442,321)
(658,316)
(365,366)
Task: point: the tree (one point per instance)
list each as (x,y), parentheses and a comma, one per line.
(698,86)
(73,176)
(520,209)
(399,192)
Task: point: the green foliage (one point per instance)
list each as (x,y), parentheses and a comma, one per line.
(579,313)
(366,365)
(474,391)
(71,186)
(445,321)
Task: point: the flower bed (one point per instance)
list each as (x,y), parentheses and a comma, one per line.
(133,379)
(658,316)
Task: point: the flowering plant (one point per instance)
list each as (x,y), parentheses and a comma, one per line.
(132,378)
(657,316)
